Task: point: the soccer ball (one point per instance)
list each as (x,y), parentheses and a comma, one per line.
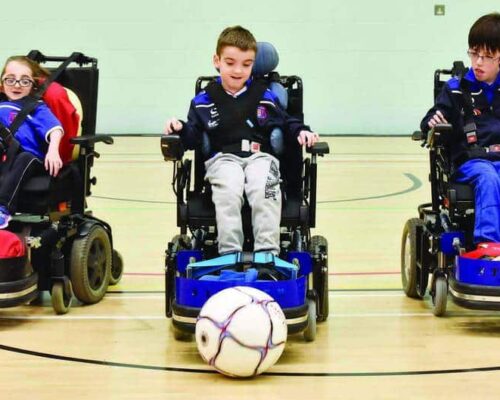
(241,331)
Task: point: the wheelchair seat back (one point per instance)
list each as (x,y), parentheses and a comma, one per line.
(43,193)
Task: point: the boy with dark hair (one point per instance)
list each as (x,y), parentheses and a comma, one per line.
(472,105)
(238,114)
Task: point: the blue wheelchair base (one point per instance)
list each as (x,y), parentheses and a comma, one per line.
(475,283)
(199,280)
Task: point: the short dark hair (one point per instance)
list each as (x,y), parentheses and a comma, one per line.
(236,36)
(485,33)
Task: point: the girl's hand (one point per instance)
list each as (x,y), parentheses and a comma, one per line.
(53,162)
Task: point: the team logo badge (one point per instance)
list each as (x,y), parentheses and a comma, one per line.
(262,113)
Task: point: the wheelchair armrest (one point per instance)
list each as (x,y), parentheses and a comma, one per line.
(90,140)
(171,147)
(439,135)
(320,148)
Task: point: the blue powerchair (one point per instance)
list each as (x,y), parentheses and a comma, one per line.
(298,278)
(439,243)
(69,252)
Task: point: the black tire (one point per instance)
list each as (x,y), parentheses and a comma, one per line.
(116,268)
(440,296)
(318,249)
(61,297)
(91,265)
(410,273)
(310,331)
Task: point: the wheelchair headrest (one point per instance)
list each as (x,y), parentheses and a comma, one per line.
(266,59)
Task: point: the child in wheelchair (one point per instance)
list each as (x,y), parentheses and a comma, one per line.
(239,129)
(38,136)
(238,114)
(53,243)
(456,238)
(472,106)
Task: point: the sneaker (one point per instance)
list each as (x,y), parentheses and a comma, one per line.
(4,217)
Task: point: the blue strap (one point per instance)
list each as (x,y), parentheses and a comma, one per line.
(197,269)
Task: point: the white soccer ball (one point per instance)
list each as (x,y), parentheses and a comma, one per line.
(241,331)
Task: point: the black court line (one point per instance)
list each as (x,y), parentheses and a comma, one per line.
(205,371)
(416,184)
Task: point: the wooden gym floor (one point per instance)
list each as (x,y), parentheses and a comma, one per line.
(377,344)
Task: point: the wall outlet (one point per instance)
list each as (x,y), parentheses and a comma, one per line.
(439,9)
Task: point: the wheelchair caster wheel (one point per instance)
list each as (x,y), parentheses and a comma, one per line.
(62,296)
(440,296)
(116,268)
(310,331)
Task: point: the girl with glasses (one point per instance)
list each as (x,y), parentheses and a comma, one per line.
(38,136)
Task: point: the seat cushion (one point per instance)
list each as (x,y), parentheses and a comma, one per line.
(43,192)
(201,210)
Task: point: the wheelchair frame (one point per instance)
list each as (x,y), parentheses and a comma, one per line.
(304,300)
(433,243)
(70,252)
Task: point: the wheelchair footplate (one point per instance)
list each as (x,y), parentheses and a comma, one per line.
(284,280)
(475,282)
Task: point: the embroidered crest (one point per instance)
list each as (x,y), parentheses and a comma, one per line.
(262,113)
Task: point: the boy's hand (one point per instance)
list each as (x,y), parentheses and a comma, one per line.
(437,118)
(172,125)
(53,162)
(307,138)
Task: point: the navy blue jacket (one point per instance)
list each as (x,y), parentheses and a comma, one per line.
(486,105)
(203,116)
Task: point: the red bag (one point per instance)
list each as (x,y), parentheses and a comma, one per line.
(68,110)
(10,245)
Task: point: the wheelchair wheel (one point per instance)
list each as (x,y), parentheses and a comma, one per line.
(440,296)
(410,272)
(310,331)
(61,297)
(319,252)
(91,265)
(116,268)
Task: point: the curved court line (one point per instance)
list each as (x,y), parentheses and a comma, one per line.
(416,184)
(206,371)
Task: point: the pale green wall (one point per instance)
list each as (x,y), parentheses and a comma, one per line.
(367,65)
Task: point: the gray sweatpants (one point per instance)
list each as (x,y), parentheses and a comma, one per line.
(258,176)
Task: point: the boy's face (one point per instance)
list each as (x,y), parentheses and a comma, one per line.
(235,67)
(17,81)
(485,64)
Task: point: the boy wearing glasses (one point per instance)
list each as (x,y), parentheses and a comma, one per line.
(38,136)
(472,106)
(238,113)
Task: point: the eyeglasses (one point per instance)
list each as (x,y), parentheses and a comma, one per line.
(474,56)
(23,82)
